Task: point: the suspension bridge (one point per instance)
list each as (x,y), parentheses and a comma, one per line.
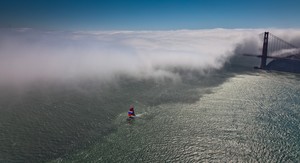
(284,55)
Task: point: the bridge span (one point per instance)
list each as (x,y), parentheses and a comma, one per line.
(283,55)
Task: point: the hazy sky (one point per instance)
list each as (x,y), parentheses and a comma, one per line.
(149,14)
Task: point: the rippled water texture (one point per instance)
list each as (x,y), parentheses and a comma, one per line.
(248,118)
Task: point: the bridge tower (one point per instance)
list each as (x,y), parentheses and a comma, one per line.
(264,54)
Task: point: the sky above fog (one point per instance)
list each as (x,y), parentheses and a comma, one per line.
(72,39)
(148,14)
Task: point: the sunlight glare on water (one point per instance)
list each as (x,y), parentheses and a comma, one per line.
(249,118)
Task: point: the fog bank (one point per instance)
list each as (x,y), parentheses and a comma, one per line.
(28,55)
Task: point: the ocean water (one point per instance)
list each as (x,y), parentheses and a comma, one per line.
(222,116)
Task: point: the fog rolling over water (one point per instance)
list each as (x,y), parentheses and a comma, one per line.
(65,95)
(29,55)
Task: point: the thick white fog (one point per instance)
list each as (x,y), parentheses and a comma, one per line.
(28,55)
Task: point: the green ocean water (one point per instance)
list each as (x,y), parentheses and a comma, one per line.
(218,117)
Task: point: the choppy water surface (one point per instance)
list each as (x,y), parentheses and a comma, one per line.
(249,118)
